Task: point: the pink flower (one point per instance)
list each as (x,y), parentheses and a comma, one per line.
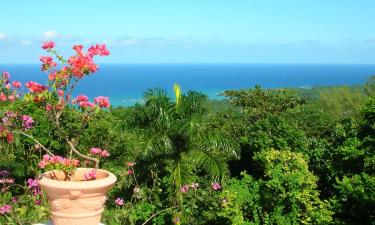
(60,92)
(90,175)
(6,75)
(3,97)
(82,98)
(7,86)
(14,199)
(16,84)
(42,164)
(130,164)
(5,209)
(27,122)
(98,50)
(38,202)
(48,45)
(130,172)
(95,151)
(48,107)
(48,61)
(119,201)
(102,101)
(184,188)
(215,186)
(46,157)
(34,87)
(32,183)
(78,48)
(104,153)
(11,98)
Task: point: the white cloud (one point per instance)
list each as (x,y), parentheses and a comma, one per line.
(2,36)
(25,42)
(128,41)
(51,34)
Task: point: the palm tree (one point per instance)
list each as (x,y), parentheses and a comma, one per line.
(177,134)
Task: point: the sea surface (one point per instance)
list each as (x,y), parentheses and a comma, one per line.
(125,83)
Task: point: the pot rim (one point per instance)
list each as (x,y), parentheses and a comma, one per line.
(81,185)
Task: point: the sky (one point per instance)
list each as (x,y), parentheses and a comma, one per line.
(194,31)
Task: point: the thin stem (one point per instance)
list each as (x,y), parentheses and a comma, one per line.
(72,148)
(155,214)
(36,141)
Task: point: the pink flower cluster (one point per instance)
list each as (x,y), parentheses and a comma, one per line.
(27,122)
(53,160)
(90,175)
(48,45)
(6,92)
(47,62)
(82,63)
(5,209)
(33,185)
(99,152)
(83,102)
(6,181)
(34,87)
(102,101)
(185,187)
(215,186)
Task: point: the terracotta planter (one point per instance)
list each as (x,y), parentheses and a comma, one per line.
(77,202)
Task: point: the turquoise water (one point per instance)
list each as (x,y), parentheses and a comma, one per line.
(125,83)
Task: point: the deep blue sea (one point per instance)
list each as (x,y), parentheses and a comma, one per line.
(125,83)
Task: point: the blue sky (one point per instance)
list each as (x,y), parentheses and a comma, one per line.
(194,31)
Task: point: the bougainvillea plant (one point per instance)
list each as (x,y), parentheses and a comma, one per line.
(55,97)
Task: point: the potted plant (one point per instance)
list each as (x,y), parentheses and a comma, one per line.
(76,189)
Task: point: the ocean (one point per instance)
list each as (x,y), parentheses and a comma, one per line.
(125,83)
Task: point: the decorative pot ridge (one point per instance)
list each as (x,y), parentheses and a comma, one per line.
(77,202)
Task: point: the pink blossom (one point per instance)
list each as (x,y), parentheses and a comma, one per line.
(32,183)
(102,101)
(82,98)
(27,122)
(78,48)
(48,45)
(6,181)
(60,92)
(119,201)
(11,98)
(6,75)
(130,172)
(184,188)
(34,87)
(7,86)
(42,164)
(98,50)
(5,209)
(3,97)
(48,61)
(95,151)
(130,164)
(104,153)
(90,175)
(16,84)
(215,186)
(14,199)
(48,107)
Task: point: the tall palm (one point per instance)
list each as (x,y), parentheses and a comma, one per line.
(177,133)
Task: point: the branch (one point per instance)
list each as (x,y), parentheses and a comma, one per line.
(71,145)
(36,141)
(155,214)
